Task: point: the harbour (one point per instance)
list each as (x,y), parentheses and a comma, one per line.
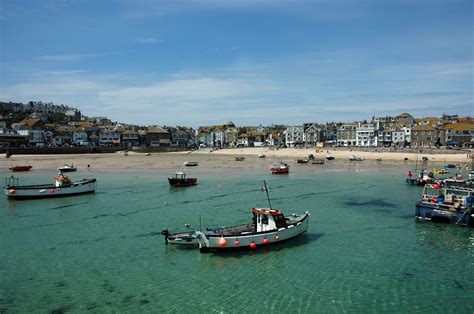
(363,251)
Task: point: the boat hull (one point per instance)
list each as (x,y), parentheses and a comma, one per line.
(20,168)
(49,190)
(67,169)
(279,170)
(182,182)
(213,243)
(436,213)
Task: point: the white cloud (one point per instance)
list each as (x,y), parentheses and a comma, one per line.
(294,90)
(68,57)
(148,40)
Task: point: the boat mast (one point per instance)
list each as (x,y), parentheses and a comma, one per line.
(266,191)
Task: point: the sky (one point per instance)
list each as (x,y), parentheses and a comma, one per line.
(203,62)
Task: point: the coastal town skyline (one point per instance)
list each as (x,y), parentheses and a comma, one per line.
(269,62)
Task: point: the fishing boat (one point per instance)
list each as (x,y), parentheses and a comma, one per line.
(441,171)
(179,179)
(446,204)
(318,161)
(239,158)
(330,157)
(425,177)
(61,186)
(458,181)
(355,158)
(268,226)
(20,168)
(261,156)
(191,163)
(68,168)
(302,161)
(280,168)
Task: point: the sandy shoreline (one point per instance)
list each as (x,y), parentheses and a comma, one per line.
(224,158)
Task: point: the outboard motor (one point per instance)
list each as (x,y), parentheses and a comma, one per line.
(165,233)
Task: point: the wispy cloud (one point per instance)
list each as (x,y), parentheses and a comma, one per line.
(68,57)
(148,40)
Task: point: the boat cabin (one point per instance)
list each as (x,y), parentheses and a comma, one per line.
(266,219)
(61,180)
(456,197)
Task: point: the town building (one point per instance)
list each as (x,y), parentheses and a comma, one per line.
(457,135)
(423,136)
(347,134)
(366,135)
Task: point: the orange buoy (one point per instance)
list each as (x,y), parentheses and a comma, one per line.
(265,241)
(222,242)
(253,245)
(277,237)
(237,242)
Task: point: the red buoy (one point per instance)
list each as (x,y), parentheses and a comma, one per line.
(277,237)
(52,190)
(222,242)
(436,186)
(265,241)
(237,242)
(253,245)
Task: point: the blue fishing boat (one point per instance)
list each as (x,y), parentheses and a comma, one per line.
(446,204)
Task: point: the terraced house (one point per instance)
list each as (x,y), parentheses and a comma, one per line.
(457,135)
(423,136)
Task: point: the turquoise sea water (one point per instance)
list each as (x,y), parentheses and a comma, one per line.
(364,251)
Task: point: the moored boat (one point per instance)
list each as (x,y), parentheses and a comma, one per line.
(446,204)
(68,168)
(268,226)
(280,168)
(239,158)
(457,181)
(302,161)
(355,158)
(62,186)
(191,163)
(330,157)
(20,168)
(318,161)
(179,179)
(185,238)
(261,156)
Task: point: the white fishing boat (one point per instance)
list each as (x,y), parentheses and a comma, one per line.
(61,186)
(268,226)
(356,158)
(68,168)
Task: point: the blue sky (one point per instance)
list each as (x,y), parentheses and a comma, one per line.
(201,62)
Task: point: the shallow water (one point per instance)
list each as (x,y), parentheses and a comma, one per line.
(364,251)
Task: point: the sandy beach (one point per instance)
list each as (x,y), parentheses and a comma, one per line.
(222,158)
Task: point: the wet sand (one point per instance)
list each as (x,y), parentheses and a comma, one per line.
(223,158)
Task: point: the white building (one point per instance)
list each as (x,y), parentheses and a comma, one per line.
(79,138)
(407,131)
(293,135)
(109,138)
(398,137)
(34,136)
(366,135)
